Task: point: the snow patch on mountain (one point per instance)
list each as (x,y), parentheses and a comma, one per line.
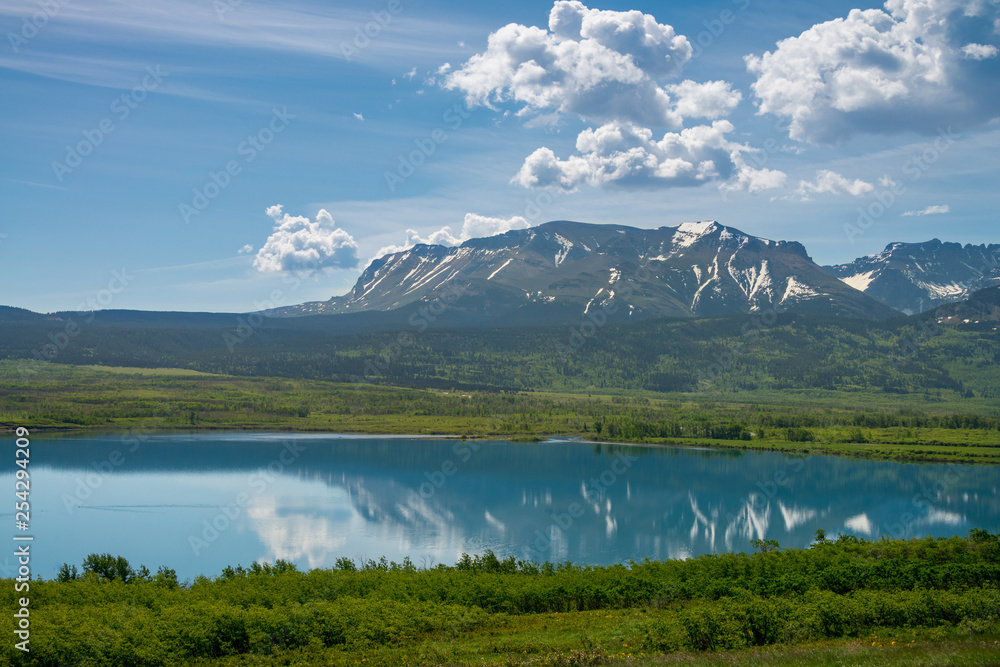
(949,291)
(860,281)
(590,261)
(566,247)
(798,291)
(502,266)
(689,233)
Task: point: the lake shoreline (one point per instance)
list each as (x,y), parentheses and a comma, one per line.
(62,398)
(844,450)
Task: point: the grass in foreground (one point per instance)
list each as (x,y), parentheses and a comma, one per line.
(922,601)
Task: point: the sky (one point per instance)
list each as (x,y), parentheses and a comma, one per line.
(233,155)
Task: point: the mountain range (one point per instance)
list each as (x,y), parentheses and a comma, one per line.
(917,277)
(566,272)
(562,270)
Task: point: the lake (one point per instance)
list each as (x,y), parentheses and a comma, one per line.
(200,502)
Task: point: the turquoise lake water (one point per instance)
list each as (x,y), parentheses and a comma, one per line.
(200,502)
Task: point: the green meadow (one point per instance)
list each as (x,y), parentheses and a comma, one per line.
(61,397)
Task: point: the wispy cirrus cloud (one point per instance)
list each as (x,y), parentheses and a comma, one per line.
(930,210)
(312,30)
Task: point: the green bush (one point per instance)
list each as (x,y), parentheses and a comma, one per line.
(846,588)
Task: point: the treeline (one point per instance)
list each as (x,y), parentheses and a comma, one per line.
(636,429)
(718,354)
(60,396)
(794,427)
(395,613)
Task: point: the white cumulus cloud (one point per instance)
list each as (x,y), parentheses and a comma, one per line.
(930,210)
(629,155)
(830,182)
(620,70)
(300,244)
(601,65)
(909,67)
(474,226)
(754,180)
(979,51)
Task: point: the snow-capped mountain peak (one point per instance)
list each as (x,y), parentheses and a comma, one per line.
(561,271)
(917,277)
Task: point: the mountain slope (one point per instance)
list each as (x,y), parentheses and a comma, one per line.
(917,277)
(983,306)
(562,270)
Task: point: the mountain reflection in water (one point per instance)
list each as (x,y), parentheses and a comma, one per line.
(200,502)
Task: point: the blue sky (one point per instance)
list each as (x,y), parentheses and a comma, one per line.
(229,155)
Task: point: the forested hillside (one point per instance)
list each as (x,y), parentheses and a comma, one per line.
(728,354)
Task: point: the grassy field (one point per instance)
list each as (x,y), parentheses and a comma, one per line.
(58,397)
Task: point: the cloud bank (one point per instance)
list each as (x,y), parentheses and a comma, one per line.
(918,66)
(600,65)
(618,69)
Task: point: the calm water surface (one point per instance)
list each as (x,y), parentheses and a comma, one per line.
(200,502)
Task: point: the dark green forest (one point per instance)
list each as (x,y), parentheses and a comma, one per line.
(731,354)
